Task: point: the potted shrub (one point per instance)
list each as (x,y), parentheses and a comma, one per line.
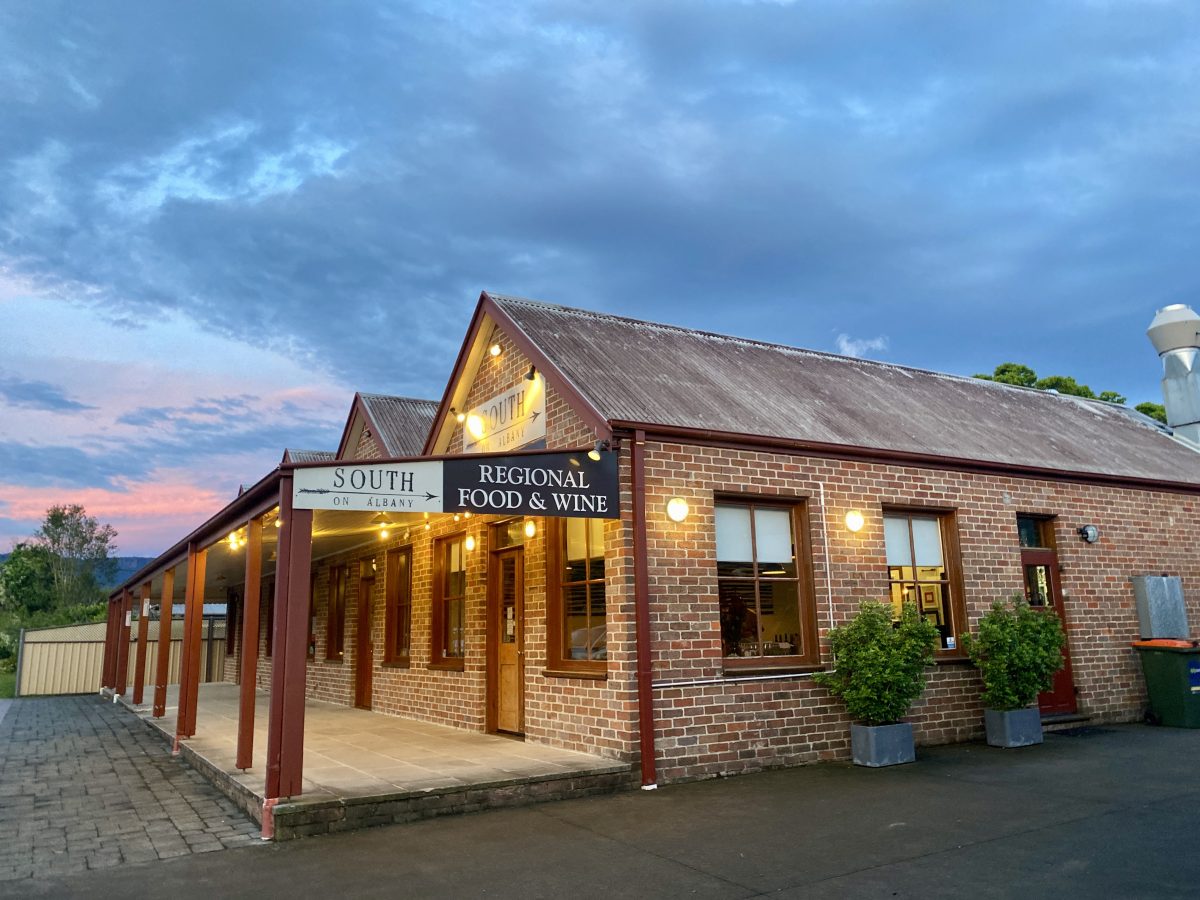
(1017,651)
(879,671)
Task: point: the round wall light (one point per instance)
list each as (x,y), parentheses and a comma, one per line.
(1089,533)
(530,528)
(494,350)
(677,509)
(470,542)
(855,520)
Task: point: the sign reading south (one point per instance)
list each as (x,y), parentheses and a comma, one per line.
(567,485)
(406,487)
(514,419)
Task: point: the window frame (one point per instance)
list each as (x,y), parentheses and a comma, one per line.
(268,595)
(557,662)
(810,644)
(947,520)
(438,658)
(396,612)
(312,618)
(335,613)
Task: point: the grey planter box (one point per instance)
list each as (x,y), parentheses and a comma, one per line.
(882,745)
(1013,727)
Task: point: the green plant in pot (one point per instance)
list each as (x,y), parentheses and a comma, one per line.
(1017,651)
(880,670)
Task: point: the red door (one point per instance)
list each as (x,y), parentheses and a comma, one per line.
(1044,594)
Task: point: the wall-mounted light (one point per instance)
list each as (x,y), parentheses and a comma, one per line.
(383,534)
(469,543)
(494,350)
(475,426)
(855,520)
(594,453)
(531,375)
(677,509)
(278,521)
(1089,533)
(459,417)
(530,528)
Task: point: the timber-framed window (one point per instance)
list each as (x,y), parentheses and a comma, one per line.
(449,603)
(398,607)
(335,629)
(764,585)
(577,608)
(923,568)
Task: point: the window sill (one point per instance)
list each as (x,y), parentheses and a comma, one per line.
(576,673)
(449,665)
(336,662)
(796,669)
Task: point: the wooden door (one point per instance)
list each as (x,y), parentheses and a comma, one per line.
(364,653)
(1042,590)
(506,596)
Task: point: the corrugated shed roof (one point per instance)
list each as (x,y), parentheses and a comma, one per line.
(635,371)
(403,422)
(307,456)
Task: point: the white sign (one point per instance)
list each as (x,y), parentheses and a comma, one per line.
(406,487)
(516,418)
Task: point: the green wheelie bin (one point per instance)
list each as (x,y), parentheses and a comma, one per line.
(1172,670)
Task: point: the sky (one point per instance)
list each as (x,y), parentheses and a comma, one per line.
(219,220)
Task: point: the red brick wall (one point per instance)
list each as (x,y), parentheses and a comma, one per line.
(732,725)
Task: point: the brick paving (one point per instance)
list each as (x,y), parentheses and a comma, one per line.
(84,785)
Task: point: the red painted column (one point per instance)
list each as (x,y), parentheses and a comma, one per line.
(249,644)
(162,658)
(110,648)
(139,667)
(123,615)
(641,598)
(193,622)
(289,650)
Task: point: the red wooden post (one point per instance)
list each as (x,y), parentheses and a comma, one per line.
(193,622)
(139,667)
(249,644)
(289,651)
(126,609)
(162,660)
(110,648)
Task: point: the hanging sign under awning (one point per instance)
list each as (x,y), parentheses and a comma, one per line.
(566,485)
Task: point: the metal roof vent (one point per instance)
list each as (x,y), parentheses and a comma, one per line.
(1175,333)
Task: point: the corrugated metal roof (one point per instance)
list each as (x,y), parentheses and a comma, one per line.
(307,456)
(635,371)
(403,422)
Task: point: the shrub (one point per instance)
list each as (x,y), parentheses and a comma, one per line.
(880,664)
(1017,651)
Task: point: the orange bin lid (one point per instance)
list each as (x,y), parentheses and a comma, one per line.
(1166,642)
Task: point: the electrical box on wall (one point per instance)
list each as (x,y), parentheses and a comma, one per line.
(1160,609)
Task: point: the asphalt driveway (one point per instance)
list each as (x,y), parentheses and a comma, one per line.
(1103,812)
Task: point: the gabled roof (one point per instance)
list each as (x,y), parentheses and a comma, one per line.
(400,425)
(636,372)
(307,456)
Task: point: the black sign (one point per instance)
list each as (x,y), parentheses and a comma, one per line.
(569,485)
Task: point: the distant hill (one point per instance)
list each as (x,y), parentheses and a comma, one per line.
(126,566)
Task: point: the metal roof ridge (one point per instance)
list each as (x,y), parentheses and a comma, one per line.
(370,396)
(734,339)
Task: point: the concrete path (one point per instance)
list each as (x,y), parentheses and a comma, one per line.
(84,785)
(1108,812)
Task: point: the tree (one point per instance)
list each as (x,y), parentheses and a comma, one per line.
(1023,376)
(1153,410)
(78,547)
(27,579)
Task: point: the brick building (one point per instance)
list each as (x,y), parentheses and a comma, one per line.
(756,493)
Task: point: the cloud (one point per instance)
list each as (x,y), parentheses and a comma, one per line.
(860,347)
(37,395)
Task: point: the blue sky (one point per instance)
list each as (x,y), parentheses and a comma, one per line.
(218,220)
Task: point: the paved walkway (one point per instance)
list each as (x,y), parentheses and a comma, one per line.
(84,785)
(354,753)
